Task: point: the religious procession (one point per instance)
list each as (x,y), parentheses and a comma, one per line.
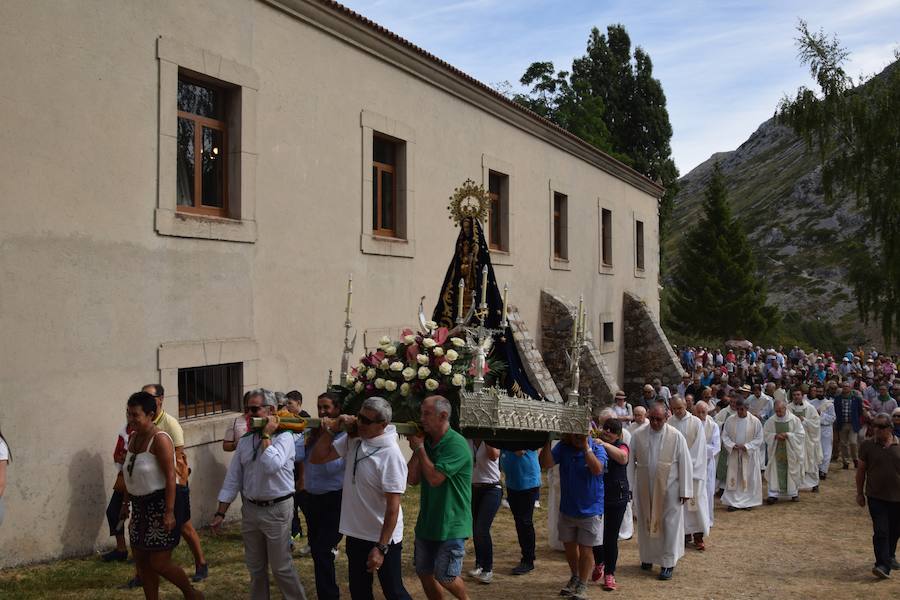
(370,317)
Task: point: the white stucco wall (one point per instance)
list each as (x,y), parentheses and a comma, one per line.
(89,290)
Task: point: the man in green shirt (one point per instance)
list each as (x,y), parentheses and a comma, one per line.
(443,463)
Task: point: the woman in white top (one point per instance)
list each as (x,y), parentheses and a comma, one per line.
(150,486)
(486,497)
(622,409)
(5,458)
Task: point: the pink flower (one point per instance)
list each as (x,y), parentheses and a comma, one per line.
(440,335)
(406,332)
(411,352)
(472,368)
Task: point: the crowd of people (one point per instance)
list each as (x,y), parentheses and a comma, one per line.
(748,428)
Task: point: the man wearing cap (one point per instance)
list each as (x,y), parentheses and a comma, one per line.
(742,436)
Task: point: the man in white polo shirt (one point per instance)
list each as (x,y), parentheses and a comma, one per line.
(374,482)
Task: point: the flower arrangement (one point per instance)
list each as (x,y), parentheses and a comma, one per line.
(405,371)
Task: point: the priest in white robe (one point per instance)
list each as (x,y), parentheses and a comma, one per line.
(662,472)
(785,442)
(713,442)
(809,416)
(696,511)
(742,435)
(640,419)
(720,418)
(827,417)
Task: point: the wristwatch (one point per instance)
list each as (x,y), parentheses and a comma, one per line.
(382,548)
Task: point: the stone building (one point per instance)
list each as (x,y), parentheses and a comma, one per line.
(186,187)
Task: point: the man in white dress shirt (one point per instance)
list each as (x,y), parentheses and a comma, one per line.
(262,471)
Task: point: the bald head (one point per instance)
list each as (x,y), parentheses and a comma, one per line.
(678,406)
(701,409)
(640,414)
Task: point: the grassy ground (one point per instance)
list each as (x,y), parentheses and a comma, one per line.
(817,548)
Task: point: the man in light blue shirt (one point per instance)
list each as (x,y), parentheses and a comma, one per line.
(262,471)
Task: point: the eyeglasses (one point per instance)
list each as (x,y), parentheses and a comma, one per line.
(255,409)
(367,421)
(883,426)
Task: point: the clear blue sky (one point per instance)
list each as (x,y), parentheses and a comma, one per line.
(723,64)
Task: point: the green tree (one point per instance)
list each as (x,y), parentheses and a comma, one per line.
(716,291)
(611,100)
(855,129)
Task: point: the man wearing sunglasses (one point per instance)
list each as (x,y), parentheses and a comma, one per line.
(878,482)
(374,482)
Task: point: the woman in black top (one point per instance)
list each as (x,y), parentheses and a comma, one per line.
(616,495)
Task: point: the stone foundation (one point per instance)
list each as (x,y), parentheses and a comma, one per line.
(597,383)
(532,361)
(648,354)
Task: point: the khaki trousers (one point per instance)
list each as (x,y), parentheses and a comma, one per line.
(267,537)
(848,443)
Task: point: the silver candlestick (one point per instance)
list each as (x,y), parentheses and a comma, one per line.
(573,355)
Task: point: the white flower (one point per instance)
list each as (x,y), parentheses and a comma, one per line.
(409,339)
(390,385)
(422,359)
(438,351)
(409,373)
(384,363)
(431,385)
(445,368)
(430,325)
(379,384)
(429,343)
(404,389)
(385,340)
(390,350)
(452,355)
(358,387)
(424,372)
(396,366)
(458,342)
(370,374)
(350,378)
(458,380)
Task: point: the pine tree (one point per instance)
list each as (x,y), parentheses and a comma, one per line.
(717,292)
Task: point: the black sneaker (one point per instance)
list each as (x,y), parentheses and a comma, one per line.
(115,556)
(894,564)
(201,572)
(570,587)
(523,567)
(665,573)
(646,566)
(133,583)
(880,572)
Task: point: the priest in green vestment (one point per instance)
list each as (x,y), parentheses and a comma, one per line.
(785,442)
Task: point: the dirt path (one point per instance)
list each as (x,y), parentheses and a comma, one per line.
(819,547)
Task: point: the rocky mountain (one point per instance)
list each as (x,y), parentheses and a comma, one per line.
(774,187)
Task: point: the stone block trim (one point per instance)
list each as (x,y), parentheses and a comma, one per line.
(597,382)
(532,361)
(648,353)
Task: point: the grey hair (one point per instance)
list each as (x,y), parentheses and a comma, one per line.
(640,409)
(701,403)
(279,397)
(268,397)
(607,413)
(442,405)
(380,406)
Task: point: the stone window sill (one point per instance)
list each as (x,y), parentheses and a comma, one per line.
(560,264)
(200,431)
(387,246)
(178,224)
(501,257)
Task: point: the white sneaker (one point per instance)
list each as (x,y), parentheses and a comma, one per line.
(335,551)
(504,503)
(537,503)
(484,577)
(475,572)
(305,550)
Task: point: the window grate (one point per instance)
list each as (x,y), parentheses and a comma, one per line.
(209,390)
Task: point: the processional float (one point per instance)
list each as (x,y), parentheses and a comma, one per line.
(465,353)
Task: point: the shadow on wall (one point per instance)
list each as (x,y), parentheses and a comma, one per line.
(87,504)
(207,475)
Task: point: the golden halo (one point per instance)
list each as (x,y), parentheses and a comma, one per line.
(469,200)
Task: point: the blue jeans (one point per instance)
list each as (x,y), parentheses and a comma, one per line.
(485,503)
(441,559)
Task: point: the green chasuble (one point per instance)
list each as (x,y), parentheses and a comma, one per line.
(781,455)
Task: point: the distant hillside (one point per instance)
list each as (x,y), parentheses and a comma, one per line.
(774,187)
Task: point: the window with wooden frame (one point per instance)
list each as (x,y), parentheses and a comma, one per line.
(209,390)
(202,144)
(498,186)
(560,226)
(606,237)
(608,332)
(639,244)
(384,187)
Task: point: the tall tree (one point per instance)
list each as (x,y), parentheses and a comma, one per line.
(855,129)
(611,100)
(716,291)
